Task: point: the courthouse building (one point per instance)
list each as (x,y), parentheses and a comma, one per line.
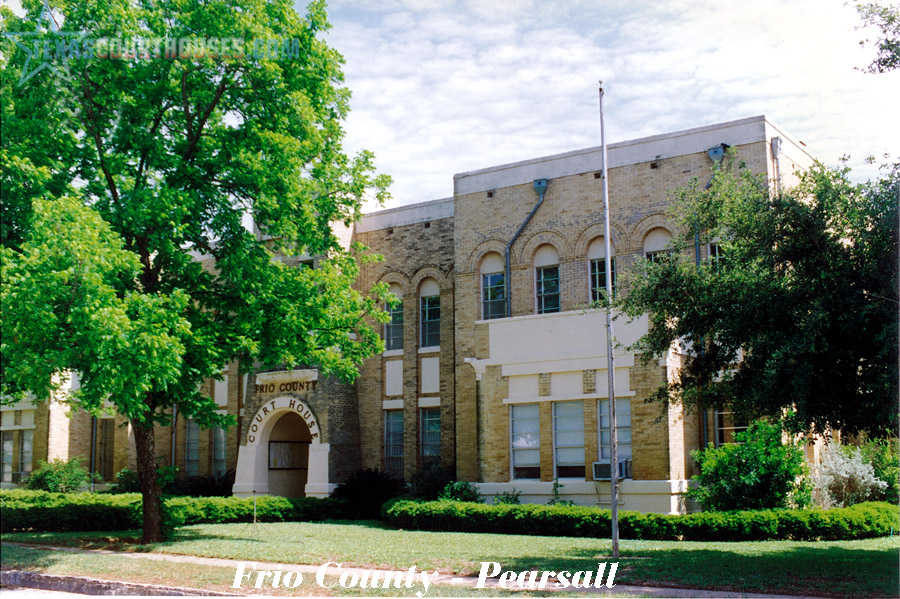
(493,364)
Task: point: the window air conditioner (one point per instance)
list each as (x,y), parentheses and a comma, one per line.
(601,470)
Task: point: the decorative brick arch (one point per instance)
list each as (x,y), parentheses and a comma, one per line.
(557,240)
(620,239)
(646,224)
(481,250)
(431,272)
(395,277)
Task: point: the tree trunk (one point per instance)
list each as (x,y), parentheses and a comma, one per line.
(144,440)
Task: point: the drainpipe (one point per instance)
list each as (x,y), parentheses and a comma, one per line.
(93,449)
(776,155)
(540,187)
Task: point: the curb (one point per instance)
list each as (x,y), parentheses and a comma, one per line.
(94,586)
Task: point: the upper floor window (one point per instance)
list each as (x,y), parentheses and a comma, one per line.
(546,277)
(393,329)
(716,255)
(430,313)
(493,287)
(657,244)
(597,265)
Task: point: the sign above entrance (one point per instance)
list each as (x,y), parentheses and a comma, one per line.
(286,381)
(279,405)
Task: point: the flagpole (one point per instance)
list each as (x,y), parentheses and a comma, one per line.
(613,437)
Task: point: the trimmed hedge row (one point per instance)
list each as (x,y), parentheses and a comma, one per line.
(859,521)
(44,511)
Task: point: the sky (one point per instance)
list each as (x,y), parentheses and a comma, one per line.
(446,86)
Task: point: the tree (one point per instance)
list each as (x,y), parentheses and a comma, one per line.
(118,173)
(800,314)
(886,19)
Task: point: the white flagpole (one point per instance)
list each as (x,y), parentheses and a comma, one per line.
(613,437)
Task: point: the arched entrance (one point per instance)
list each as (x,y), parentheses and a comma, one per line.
(283,453)
(289,456)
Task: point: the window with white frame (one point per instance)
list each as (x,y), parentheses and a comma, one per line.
(546,279)
(623,429)
(26,445)
(6,456)
(429,438)
(715,255)
(219,451)
(597,267)
(393,442)
(568,438)
(493,287)
(430,313)
(728,424)
(393,328)
(657,244)
(192,448)
(525,433)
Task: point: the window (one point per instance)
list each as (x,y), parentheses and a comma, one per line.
(493,287)
(525,431)
(597,267)
(6,456)
(429,438)
(623,429)
(393,442)
(26,443)
(106,429)
(568,438)
(192,448)
(430,313)
(546,264)
(393,329)
(219,448)
(716,255)
(727,425)
(656,244)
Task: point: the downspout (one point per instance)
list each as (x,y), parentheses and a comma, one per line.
(776,156)
(540,187)
(93,449)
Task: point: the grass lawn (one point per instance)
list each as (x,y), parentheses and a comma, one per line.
(867,568)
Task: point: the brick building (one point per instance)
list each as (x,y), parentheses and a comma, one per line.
(493,367)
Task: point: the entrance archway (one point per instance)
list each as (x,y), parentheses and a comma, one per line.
(289,456)
(286,421)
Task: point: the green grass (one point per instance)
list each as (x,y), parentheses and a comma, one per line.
(865,568)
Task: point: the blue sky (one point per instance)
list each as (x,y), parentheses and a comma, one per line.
(445,86)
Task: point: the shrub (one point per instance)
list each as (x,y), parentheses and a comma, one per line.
(58,476)
(40,510)
(461,491)
(860,521)
(365,491)
(759,472)
(428,485)
(511,497)
(127,481)
(884,455)
(845,478)
(201,486)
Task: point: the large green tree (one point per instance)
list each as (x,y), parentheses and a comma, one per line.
(885,18)
(126,184)
(800,312)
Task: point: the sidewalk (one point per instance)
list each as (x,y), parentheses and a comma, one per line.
(104,587)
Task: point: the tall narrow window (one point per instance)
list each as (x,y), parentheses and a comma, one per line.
(393,329)
(430,313)
(219,449)
(26,444)
(493,287)
(192,448)
(546,264)
(716,256)
(6,456)
(568,438)
(106,429)
(597,266)
(623,429)
(525,432)
(393,442)
(429,438)
(657,244)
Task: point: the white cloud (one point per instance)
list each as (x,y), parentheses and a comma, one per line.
(441,88)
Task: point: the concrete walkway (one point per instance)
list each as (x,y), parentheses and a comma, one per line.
(446,579)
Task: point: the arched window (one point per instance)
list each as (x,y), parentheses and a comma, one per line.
(393,329)
(430,313)
(657,244)
(493,286)
(546,278)
(597,268)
